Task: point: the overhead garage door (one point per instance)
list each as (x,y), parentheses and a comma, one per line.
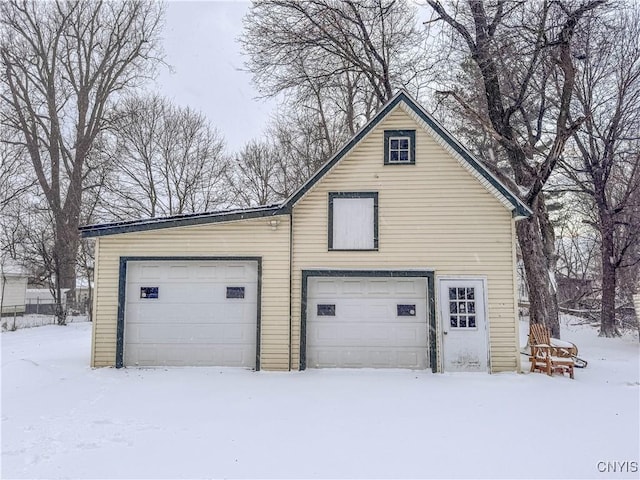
(367,322)
(191,313)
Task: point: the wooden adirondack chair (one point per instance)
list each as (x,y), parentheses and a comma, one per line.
(549,358)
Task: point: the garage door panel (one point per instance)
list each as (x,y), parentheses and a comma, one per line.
(361,326)
(335,357)
(408,287)
(196,293)
(325,287)
(178,272)
(367,334)
(236,272)
(185,314)
(180,355)
(196,334)
(148,272)
(207,273)
(366,309)
(192,322)
(353,287)
(377,287)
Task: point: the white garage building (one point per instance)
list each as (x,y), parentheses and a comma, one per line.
(398,253)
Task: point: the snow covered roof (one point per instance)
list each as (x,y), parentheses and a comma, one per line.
(179,220)
(12,269)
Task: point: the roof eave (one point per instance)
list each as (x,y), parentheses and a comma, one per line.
(90,231)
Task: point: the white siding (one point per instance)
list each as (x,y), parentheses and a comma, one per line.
(12,293)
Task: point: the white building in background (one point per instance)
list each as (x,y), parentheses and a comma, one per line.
(40,301)
(13,287)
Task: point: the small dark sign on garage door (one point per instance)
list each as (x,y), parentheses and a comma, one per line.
(148,292)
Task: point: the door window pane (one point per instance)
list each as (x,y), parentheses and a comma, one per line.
(462,307)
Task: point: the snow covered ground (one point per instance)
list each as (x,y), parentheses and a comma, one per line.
(61,419)
(34,320)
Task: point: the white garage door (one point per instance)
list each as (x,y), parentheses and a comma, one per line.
(367,322)
(191,313)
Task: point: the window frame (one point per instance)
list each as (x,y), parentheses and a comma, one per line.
(395,135)
(343,195)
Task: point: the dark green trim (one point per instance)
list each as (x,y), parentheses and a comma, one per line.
(122,288)
(180,221)
(332,196)
(520,208)
(412,145)
(428,274)
(433,340)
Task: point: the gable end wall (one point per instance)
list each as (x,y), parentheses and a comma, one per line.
(432,215)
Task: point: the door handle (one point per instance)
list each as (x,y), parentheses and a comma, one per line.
(445,332)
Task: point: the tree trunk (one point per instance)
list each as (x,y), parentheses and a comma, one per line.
(608,326)
(543,306)
(66,247)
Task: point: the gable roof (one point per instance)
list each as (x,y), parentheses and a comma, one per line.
(402,100)
(474,166)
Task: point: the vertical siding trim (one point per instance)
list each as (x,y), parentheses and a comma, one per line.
(258,313)
(122,280)
(302,357)
(431,320)
(485,284)
(290,289)
(516,313)
(94,301)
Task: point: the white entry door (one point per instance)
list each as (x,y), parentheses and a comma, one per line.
(464,332)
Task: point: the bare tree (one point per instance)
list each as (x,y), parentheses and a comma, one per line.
(63,63)
(513,51)
(337,61)
(605,165)
(15,180)
(165,160)
(299,136)
(577,246)
(253,174)
(267,171)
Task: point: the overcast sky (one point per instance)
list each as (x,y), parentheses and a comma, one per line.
(200,42)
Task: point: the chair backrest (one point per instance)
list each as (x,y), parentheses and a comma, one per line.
(539,334)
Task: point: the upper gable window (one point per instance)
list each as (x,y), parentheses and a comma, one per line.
(353,221)
(399,147)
